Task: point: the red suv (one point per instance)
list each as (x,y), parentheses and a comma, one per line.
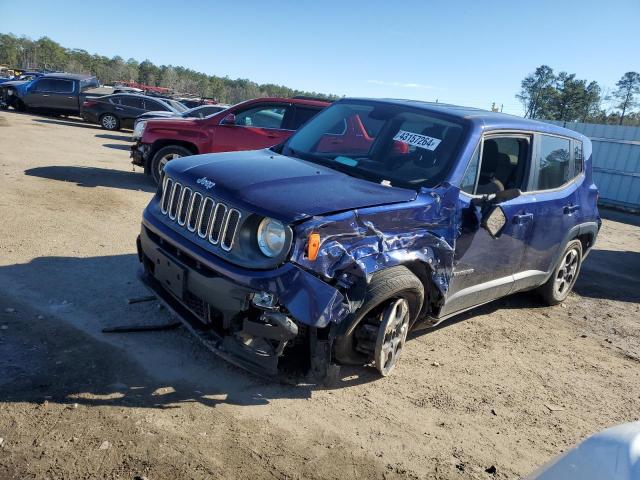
(250,125)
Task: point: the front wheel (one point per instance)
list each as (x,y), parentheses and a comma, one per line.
(377,331)
(564,276)
(164,156)
(19,105)
(109,122)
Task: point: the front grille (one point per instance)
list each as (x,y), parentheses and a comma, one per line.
(205,216)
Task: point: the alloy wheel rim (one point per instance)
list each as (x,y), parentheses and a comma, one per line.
(109,122)
(392,335)
(566,273)
(165,159)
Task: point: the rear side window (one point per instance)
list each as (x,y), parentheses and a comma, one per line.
(62,86)
(153,105)
(54,85)
(554,162)
(301,115)
(132,102)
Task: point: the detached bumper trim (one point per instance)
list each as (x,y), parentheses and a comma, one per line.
(225,347)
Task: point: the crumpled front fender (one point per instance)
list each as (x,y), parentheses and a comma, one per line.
(361,242)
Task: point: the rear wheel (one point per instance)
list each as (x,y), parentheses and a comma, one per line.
(109,121)
(378,329)
(564,276)
(164,156)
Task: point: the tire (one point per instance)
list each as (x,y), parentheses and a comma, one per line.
(19,106)
(110,122)
(556,289)
(361,343)
(164,155)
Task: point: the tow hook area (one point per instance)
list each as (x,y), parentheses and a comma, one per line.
(272,326)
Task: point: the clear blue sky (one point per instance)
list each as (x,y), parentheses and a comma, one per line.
(466,52)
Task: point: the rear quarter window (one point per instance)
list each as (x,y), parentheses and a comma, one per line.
(554,162)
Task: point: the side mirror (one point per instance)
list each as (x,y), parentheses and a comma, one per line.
(493,221)
(230,119)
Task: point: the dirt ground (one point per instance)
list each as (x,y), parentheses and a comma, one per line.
(500,389)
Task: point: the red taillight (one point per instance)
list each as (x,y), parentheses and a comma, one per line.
(88,103)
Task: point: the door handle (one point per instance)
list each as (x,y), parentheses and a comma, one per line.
(522,218)
(45,95)
(569,209)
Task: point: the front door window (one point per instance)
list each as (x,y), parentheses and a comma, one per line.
(262,117)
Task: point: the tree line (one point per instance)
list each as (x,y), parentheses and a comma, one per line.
(44,53)
(544,94)
(564,97)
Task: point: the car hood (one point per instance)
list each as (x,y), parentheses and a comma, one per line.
(278,186)
(14,83)
(171,123)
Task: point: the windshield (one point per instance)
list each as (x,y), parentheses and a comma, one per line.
(383,143)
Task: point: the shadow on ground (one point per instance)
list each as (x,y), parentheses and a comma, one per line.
(58,353)
(109,136)
(67,122)
(95,177)
(117,146)
(606,274)
(610,274)
(620,216)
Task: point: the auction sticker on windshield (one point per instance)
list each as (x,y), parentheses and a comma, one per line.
(417,140)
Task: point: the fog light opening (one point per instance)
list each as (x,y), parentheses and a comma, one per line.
(263,300)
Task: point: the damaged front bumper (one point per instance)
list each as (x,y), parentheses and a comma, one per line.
(139,153)
(259,320)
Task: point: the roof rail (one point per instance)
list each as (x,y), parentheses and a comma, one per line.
(317,99)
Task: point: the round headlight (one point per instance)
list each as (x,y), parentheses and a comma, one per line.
(271,237)
(138,130)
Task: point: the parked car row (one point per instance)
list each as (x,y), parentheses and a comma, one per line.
(75,94)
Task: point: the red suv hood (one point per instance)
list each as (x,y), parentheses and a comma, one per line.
(171,126)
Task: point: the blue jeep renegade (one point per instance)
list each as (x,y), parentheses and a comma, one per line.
(375,216)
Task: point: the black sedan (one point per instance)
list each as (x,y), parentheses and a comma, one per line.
(117,111)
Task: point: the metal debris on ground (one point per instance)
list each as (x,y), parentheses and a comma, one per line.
(141,328)
(553,408)
(148,298)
